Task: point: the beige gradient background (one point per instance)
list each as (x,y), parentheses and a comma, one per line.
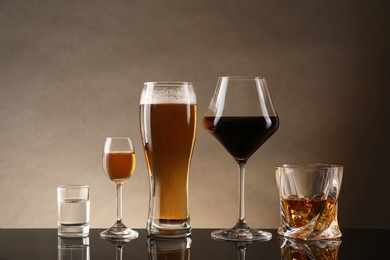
(71,73)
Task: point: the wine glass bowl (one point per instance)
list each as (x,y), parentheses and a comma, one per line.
(241,117)
(118,164)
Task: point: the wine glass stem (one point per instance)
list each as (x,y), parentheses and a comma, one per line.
(241,253)
(118,202)
(241,166)
(119,252)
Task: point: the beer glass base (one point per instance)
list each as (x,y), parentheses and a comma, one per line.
(241,235)
(160,229)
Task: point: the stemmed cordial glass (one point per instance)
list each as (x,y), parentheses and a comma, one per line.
(119,164)
(241,117)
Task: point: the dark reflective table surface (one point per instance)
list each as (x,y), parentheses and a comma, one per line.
(44,244)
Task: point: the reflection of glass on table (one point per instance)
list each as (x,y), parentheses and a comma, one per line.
(173,249)
(299,249)
(119,243)
(73,248)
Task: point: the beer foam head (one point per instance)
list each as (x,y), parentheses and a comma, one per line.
(168,93)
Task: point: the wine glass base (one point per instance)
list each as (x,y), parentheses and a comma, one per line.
(119,231)
(241,235)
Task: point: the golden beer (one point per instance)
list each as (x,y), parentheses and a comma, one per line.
(168,134)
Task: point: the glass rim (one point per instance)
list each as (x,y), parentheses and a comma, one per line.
(307,166)
(241,77)
(169,83)
(73,186)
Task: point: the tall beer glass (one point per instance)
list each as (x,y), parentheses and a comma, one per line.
(168,118)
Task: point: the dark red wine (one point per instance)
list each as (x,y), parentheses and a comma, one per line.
(241,136)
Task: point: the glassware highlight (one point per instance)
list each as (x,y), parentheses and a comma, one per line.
(118,164)
(168,118)
(241,117)
(308,200)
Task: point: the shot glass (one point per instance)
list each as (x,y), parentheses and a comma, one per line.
(73,209)
(308,200)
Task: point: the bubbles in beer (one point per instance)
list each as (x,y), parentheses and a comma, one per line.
(163,93)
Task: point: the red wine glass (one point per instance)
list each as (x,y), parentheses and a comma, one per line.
(241,117)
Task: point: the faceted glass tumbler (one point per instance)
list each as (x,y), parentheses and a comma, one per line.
(309,200)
